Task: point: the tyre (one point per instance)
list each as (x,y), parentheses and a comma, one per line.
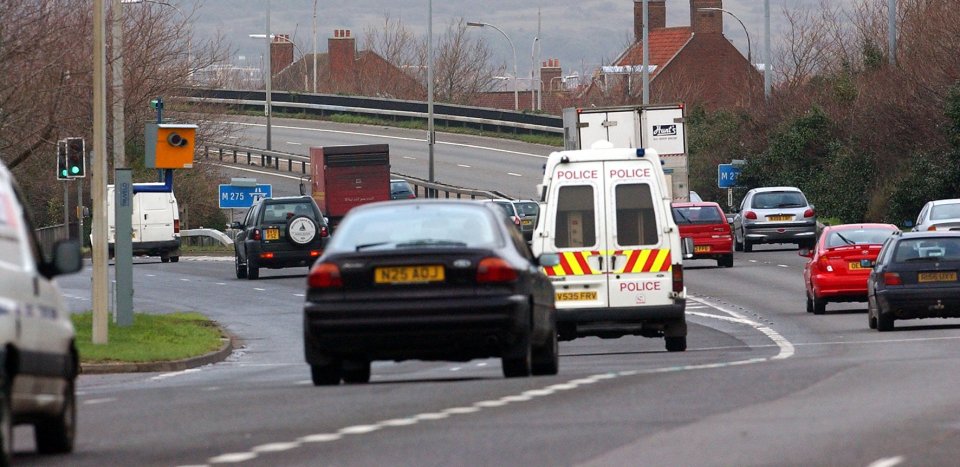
(326,375)
(737,245)
(6,425)
(55,435)
(819,306)
(240,267)
(301,230)
(809,304)
(747,246)
(164,259)
(726,261)
(356,371)
(253,271)
(546,358)
(174,259)
(518,363)
(676,343)
(871,318)
(884,321)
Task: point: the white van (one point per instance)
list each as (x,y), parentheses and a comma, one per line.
(155,224)
(607,214)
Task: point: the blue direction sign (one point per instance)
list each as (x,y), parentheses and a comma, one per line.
(727,175)
(232,196)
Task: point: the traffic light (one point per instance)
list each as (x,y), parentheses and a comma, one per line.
(62,160)
(76,158)
(169,145)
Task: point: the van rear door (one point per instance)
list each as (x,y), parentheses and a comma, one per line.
(156,217)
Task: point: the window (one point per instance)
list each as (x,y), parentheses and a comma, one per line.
(636,219)
(945,211)
(576,225)
(779,199)
(858,237)
(698,215)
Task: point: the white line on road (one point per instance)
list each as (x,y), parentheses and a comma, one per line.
(258,289)
(173,374)
(513,174)
(463,165)
(294,143)
(888,462)
(103,400)
(783,265)
(298,295)
(411,158)
(184,279)
(244,169)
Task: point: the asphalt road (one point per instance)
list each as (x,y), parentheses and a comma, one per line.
(762,383)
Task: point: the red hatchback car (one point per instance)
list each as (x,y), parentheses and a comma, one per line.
(706,223)
(835,272)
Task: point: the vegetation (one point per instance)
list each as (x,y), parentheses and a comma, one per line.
(151,338)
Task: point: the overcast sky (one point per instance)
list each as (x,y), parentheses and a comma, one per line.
(582,34)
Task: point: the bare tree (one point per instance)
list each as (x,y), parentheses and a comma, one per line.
(462,65)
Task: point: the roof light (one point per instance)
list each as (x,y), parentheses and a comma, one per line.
(641,152)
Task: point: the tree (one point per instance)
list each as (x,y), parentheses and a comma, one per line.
(461,65)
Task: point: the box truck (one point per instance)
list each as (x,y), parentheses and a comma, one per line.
(342,177)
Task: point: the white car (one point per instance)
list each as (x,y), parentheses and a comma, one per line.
(37,350)
(942,214)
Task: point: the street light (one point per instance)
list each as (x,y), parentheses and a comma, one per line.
(516,93)
(563,79)
(749,50)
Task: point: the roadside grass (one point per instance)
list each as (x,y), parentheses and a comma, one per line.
(219,250)
(151,338)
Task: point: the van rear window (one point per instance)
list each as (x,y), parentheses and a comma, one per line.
(636,219)
(576,217)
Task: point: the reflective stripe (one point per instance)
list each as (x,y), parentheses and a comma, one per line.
(575,263)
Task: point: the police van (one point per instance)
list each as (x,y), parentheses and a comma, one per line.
(606,214)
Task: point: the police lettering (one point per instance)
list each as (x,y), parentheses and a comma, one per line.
(639,286)
(576,174)
(630,173)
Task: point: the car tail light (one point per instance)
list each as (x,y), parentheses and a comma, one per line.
(324,276)
(493,270)
(808,213)
(824,264)
(324,232)
(892,278)
(677,277)
(256,234)
(932,227)
(411,196)
(750,215)
(314,253)
(176,226)
(267,255)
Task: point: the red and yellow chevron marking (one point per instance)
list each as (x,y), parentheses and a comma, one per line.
(645,261)
(572,263)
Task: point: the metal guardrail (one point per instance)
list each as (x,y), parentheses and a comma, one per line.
(324,104)
(296,163)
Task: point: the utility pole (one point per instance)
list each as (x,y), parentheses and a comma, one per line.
(99,180)
(766,51)
(430,134)
(646,53)
(892,30)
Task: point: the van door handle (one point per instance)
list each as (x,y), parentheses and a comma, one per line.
(144,217)
(600,260)
(613,263)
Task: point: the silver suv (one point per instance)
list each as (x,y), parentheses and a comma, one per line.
(38,358)
(774,215)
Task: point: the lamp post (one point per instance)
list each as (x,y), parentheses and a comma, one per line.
(431,136)
(563,79)
(314,46)
(749,50)
(516,93)
(766,50)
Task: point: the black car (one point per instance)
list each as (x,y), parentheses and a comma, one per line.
(279,233)
(915,276)
(428,280)
(401,189)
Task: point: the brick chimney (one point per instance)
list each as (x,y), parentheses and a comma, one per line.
(342,55)
(706,22)
(550,74)
(281,53)
(656,9)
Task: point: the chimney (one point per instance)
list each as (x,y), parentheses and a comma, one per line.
(550,75)
(342,55)
(281,53)
(656,9)
(706,22)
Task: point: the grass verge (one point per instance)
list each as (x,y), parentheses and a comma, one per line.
(151,338)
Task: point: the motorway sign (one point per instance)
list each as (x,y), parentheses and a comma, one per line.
(727,175)
(232,196)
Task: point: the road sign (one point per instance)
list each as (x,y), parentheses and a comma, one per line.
(232,196)
(727,175)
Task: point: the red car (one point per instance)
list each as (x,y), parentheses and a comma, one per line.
(835,272)
(707,225)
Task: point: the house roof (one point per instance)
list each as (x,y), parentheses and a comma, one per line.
(665,43)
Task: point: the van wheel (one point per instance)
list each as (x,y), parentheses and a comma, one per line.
(253,271)
(676,344)
(55,435)
(240,267)
(174,259)
(164,259)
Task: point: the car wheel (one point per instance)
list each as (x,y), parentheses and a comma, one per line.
(726,261)
(819,306)
(546,358)
(676,343)
(884,321)
(809,304)
(737,244)
(518,363)
(55,435)
(164,259)
(253,270)
(326,375)
(871,318)
(6,425)
(356,371)
(174,259)
(240,267)
(747,246)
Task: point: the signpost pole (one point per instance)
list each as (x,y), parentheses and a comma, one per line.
(122,245)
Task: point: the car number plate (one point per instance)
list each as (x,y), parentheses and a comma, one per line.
(938,276)
(779,218)
(701,249)
(527,222)
(576,296)
(272,234)
(855,265)
(409,274)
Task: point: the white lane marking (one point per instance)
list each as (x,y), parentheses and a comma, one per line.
(456,368)
(299,295)
(276,447)
(294,143)
(174,374)
(722,318)
(233,457)
(221,283)
(783,265)
(258,289)
(463,165)
(103,400)
(402,138)
(752,260)
(786,350)
(184,279)
(411,158)
(151,275)
(513,174)
(888,462)
(211,388)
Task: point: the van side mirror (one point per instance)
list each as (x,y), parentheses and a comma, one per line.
(542,190)
(549,260)
(806,252)
(687,247)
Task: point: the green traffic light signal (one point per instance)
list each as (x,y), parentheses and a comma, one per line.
(74,169)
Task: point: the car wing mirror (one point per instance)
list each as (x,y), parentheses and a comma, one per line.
(236,225)
(806,252)
(549,260)
(687,247)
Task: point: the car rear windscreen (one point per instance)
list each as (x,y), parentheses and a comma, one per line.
(698,215)
(858,237)
(417,225)
(779,199)
(281,213)
(945,211)
(928,249)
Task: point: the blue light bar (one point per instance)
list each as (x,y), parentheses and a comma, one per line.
(641,152)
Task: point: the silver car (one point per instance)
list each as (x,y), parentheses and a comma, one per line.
(942,214)
(774,215)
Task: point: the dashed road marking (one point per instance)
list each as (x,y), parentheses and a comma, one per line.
(783,266)
(887,462)
(463,165)
(294,143)
(259,289)
(411,158)
(514,174)
(102,400)
(174,374)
